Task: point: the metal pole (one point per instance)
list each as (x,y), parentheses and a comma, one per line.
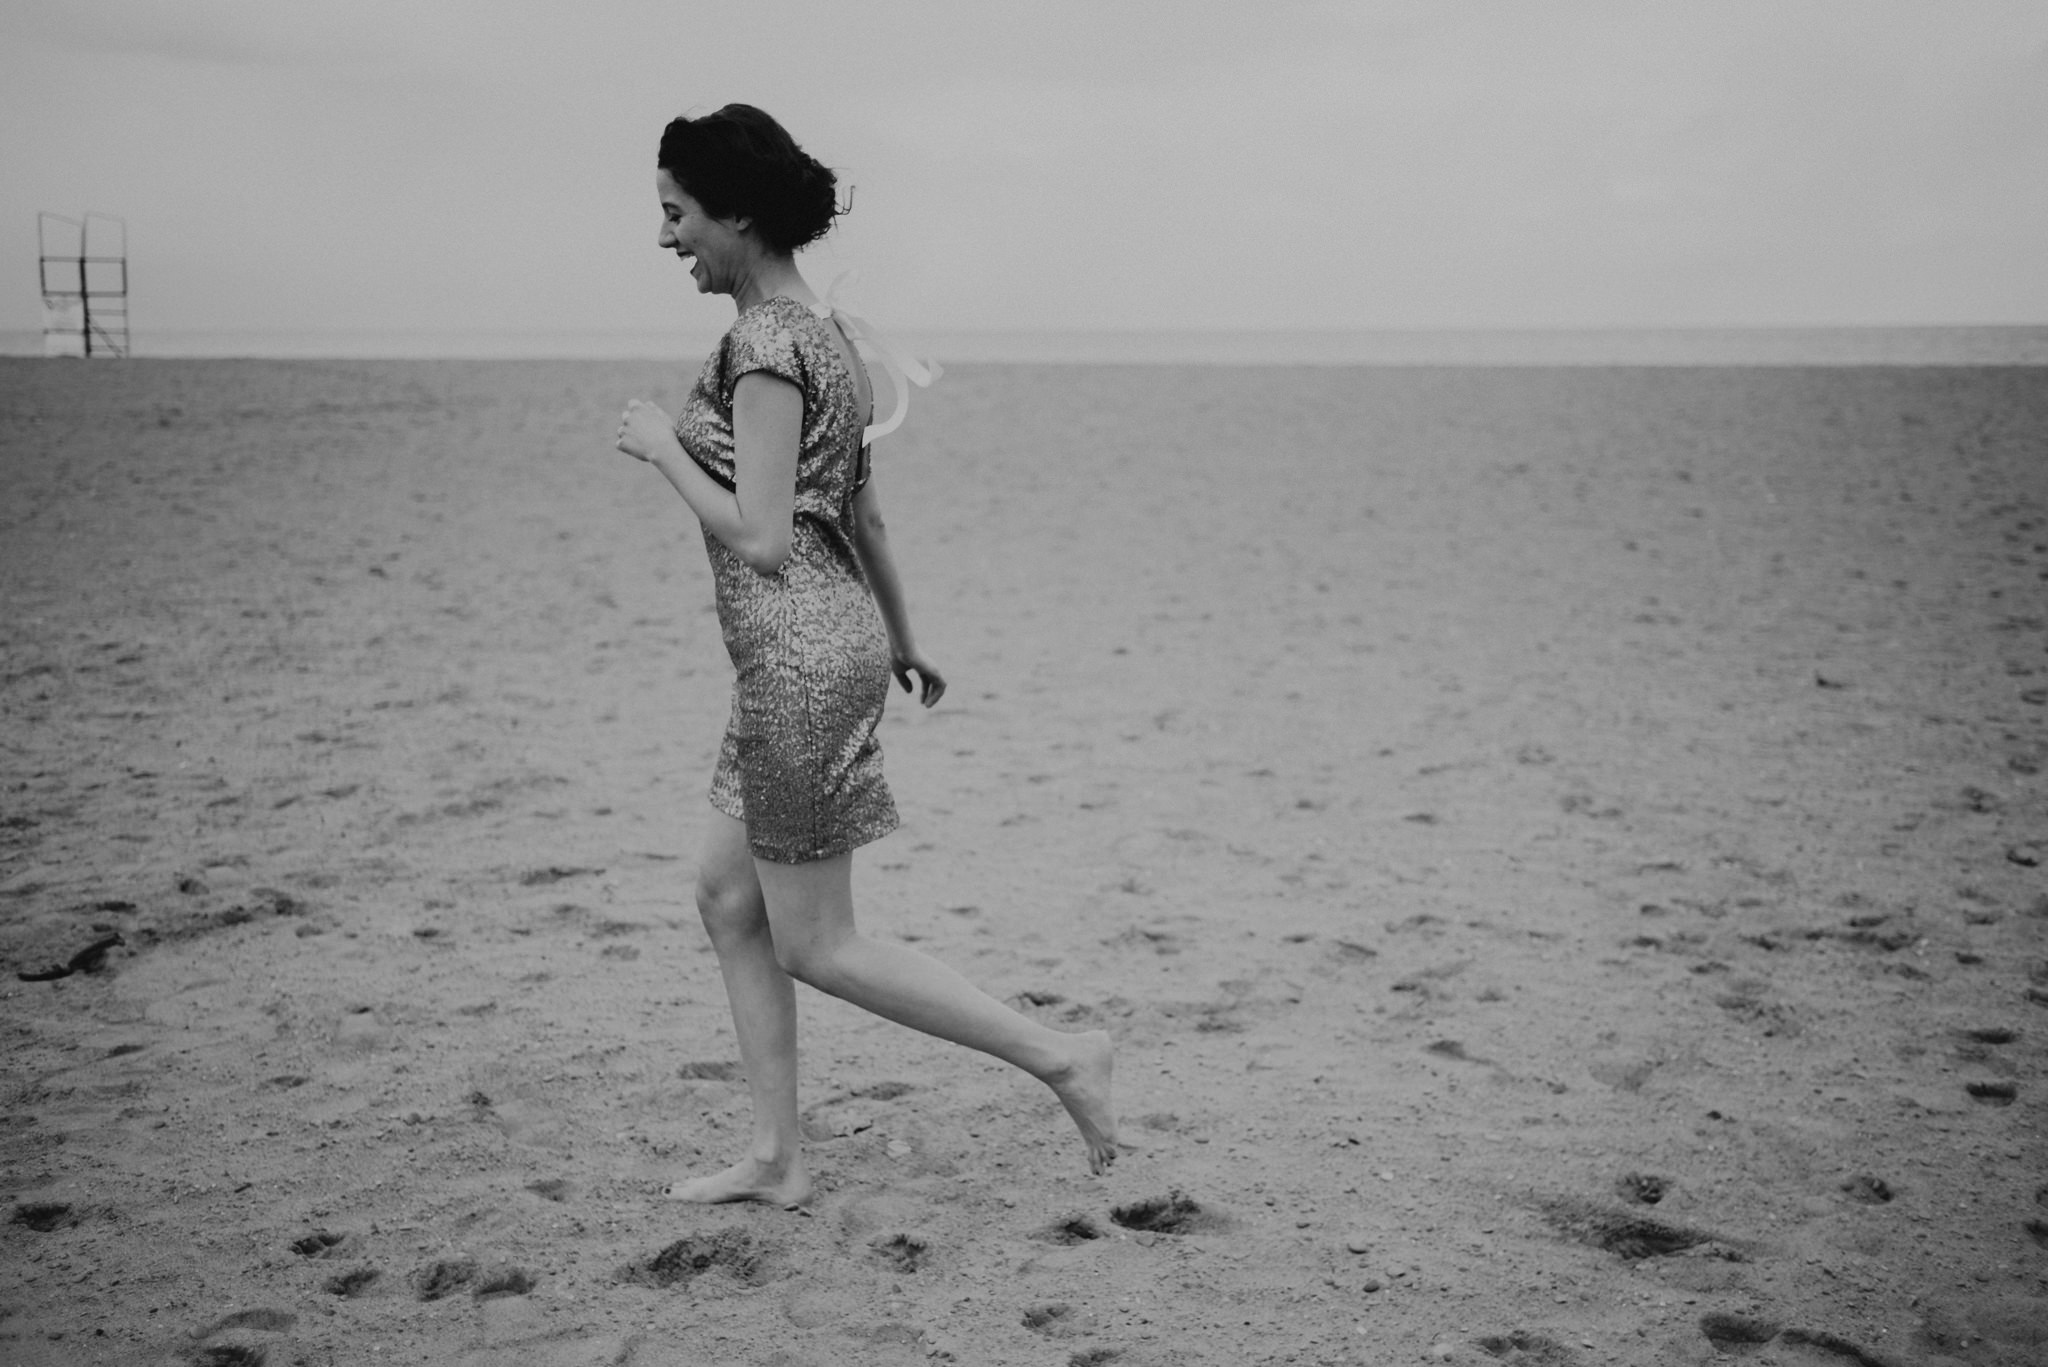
(84,293)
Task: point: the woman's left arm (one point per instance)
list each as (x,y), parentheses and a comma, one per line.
(871,544)
(756,518)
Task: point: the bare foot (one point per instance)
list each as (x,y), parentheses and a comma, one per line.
(1084,1090)
(750,1179)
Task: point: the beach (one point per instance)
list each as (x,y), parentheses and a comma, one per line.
(1563,853)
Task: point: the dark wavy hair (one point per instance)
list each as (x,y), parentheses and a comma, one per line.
(740,163)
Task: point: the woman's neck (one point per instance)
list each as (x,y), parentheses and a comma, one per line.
(772,276)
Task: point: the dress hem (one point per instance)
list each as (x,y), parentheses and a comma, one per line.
(846,843)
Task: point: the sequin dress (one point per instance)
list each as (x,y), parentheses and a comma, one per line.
(799,763)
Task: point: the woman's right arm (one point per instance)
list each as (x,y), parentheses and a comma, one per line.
(755,518)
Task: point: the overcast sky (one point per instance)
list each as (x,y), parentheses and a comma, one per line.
(1054,164)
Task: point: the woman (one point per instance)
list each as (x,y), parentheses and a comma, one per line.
(769,454)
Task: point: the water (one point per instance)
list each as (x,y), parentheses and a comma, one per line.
(1574,347)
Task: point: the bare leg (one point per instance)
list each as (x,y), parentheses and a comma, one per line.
(810,909)
(764,1018)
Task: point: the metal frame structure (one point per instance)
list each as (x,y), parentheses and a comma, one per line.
(100,304)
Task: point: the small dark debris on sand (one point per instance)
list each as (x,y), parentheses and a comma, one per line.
(1642,1188)
(554,873)
(87,960)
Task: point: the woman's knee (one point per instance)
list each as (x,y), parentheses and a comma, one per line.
(729,904)
(810,960)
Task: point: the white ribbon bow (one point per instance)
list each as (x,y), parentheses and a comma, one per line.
(904,369)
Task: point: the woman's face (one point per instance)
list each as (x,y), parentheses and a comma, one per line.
(713,248)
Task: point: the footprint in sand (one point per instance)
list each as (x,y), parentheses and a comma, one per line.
(878,1212)
(509,1281)
(1733,1333)
(443,1278)
(709,1071)
(355,1282)
(837,1118)
(904,1251)
(1154,938)
(1349,953)
(265,1320)
(1174,1213)
(1630,1237)
(322,1243)
(1054,1319)
(1068,1230)
(1524,1349)
(361,1032)
(730,1252)
(244,1350)
(43,1216)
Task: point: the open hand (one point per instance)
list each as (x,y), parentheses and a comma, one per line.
(931,684)
(645,431)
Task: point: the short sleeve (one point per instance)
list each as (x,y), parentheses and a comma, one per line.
(761,340)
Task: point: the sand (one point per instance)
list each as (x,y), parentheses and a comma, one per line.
(1560,852)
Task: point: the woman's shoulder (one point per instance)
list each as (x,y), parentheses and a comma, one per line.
(773,335)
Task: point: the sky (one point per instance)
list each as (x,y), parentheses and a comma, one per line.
(1063,164)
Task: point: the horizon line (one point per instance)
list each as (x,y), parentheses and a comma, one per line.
(1582,344)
